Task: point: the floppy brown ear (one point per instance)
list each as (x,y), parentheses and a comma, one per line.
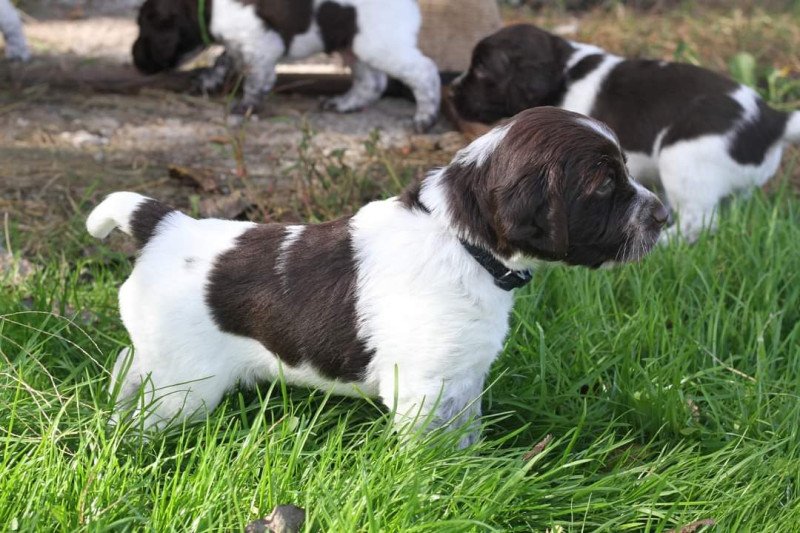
(535,83)
(531,216)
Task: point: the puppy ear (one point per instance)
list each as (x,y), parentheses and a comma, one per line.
(539,74)
(490,64)
(536,83)
(532,218)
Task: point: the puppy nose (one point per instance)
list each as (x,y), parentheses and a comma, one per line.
(660,214)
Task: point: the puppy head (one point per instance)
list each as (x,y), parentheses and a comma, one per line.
(169,31)
(550,185)
(513,69)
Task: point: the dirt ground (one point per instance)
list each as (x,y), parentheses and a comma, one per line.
(64,144)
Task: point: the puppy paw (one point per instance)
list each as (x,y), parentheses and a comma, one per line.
(424,123)
(341,104)
(244,108)
(205,83)
(18,54)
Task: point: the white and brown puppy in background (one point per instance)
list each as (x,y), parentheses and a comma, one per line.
(407,301)
(381,36)
(696,134)
(11,28)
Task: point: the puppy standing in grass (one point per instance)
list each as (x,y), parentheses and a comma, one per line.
(380,36)
(408,300)
(694,133)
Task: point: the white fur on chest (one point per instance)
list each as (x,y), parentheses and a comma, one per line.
(426,307)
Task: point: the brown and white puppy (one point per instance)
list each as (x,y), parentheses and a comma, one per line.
(407,301)
(380,35)
(696,134)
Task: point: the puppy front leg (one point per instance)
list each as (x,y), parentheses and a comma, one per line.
(260,58)
(213,79)
(693,219)
(425,404)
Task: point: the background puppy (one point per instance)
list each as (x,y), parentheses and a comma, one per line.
(408,300)
(697,134)
(380,34)
(11,28)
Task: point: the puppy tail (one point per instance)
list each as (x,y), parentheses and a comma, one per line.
(132,213)
(792,133)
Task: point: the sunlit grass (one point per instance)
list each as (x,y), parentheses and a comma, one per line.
(671,389)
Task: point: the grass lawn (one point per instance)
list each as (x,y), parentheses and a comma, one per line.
(645,398)
(671,390)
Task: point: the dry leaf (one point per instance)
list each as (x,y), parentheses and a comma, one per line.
(204,180)
(694,526)
(227,207)
(539,448)
(694,409)
(15,270)
(282,519)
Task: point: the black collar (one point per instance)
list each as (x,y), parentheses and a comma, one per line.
(504,277)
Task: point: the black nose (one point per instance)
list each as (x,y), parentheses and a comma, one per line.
(660,214)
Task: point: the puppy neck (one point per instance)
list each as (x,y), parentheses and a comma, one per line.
(432,199)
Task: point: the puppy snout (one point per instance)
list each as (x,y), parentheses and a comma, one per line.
(659,215)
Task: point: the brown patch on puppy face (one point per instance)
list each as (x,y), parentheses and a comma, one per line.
(555,188)
(513,69)
(168,31)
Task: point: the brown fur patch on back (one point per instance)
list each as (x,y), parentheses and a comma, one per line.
(303,312)
(287,17)
(337,24)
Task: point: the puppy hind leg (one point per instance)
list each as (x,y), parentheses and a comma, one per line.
(415,70)
(368,85)
(157,391)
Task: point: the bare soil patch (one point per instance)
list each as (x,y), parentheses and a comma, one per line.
(78,122)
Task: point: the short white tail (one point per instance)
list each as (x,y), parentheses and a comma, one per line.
(113,212)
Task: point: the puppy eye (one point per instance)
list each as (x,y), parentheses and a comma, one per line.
(606,187)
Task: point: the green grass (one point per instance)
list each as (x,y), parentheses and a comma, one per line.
(671,389)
